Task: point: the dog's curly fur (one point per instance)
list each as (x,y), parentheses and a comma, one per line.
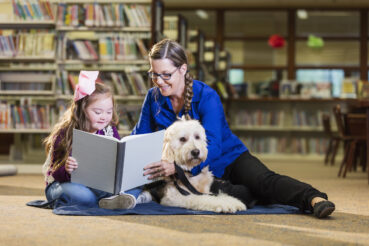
(185,144)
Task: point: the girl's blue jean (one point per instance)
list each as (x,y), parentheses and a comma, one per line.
(80,194)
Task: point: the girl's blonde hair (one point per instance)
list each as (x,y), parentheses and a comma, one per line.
(75,117)
(169,49)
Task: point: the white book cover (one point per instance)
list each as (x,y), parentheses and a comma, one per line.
(113,165)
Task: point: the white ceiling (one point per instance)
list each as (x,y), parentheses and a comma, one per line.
(266,3)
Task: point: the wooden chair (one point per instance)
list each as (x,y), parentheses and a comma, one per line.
(352,130)
(356,129)
(334,140)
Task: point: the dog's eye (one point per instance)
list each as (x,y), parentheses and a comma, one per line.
(197,137)
(183,139)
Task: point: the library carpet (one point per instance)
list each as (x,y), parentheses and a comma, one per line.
(349,224)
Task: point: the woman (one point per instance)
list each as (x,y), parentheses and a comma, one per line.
(178,94)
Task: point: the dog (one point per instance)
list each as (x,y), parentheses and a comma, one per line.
(185,144)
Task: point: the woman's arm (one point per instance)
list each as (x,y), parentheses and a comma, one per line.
(212,118)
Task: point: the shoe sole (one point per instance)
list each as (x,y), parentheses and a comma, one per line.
(119,202)
(326,212)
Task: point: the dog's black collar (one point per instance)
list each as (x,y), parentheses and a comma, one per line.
(182,177)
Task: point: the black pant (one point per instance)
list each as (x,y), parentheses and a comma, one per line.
(268,186)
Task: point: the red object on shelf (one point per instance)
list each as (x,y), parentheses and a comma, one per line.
(276,41)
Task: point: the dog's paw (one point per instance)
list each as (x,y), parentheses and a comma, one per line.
(230,205)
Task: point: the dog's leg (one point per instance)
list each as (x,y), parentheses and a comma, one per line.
(221,203)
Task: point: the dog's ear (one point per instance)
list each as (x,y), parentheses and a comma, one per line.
(168,153)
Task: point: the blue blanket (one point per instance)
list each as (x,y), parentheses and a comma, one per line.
(153,208)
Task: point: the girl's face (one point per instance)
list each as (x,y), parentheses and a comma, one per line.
(100,112)
(167,77)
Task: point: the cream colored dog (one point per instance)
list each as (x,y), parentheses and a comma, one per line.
(185,144)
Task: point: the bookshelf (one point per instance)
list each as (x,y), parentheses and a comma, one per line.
(41,56)
(283,128)
(175,28)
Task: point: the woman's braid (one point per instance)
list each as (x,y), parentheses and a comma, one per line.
(188,94)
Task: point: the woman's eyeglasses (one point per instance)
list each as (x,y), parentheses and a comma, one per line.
(163,76)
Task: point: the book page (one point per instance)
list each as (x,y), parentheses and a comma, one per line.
(140,151)
(96,157)
(130,137)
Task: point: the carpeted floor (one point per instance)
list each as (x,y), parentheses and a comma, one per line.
(349,225)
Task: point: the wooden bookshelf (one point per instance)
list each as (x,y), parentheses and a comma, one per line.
(56,66)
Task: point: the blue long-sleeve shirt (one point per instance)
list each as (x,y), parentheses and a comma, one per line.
(223,146)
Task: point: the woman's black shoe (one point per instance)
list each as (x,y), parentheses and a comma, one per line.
(323,209)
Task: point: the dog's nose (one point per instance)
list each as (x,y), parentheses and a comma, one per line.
(195,153)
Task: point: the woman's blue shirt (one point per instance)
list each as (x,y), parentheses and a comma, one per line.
(223,146)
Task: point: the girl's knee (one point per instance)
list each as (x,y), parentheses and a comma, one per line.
(78,193)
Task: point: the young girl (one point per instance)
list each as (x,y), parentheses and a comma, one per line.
(92,110)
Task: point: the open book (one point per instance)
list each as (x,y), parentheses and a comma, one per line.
(112,165)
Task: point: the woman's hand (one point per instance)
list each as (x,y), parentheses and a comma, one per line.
(159,169)
(71,165)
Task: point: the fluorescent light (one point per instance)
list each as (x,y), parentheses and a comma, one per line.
(202,14)
(302,14)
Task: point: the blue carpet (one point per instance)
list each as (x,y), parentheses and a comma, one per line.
(153,208)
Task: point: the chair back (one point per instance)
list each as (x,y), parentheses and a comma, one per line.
(326,120)
(339,120)
(355,125)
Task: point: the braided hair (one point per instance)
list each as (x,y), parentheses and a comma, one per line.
(169,49)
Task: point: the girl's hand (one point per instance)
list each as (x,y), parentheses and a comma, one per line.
(71,165)
(159,169)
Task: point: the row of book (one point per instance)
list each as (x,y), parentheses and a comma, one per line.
(28,44)
(32,10)
(125,83)
(35,116)
(128,116)
(118,48)
(25,86)
(260,117)
(26,116)
(308,118)
(283,145)
(105,48)
(129,83)
(347,88)
(101,15)
(311,118)
(26,81)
